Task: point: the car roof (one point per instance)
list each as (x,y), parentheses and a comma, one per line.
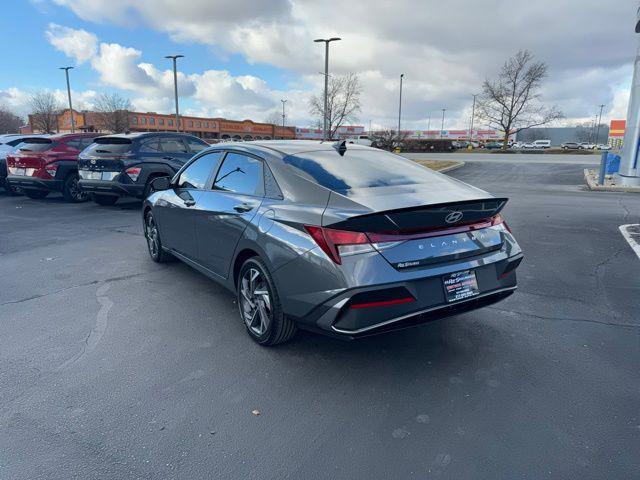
(136,135)
(288,147)
(59,136)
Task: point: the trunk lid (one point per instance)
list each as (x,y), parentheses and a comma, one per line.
(107,154)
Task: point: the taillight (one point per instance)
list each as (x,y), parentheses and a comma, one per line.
(499,220)
(51,169)
(133,173)
(339,242)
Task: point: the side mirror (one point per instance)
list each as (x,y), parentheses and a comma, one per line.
(161,183)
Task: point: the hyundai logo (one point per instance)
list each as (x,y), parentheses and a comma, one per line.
(93,161)
(454,217)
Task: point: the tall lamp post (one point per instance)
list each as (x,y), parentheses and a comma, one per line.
(473,116)
(442,126)
(599,121)
(283,102)
(175,86)
(400,108)
(73,123)
(326,41)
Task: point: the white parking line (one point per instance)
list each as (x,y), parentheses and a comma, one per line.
(631,233)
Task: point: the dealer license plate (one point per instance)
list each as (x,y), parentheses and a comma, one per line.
(460,285)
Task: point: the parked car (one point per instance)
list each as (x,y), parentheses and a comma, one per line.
(529,146)
(8,144)
(116,166)
(42,165)
(493,145)
(603,147)
(342,239)
(516,145)
(587,146)
(541,144)
(361,140)
(570,146)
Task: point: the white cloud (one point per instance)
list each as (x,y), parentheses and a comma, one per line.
(78,44)
(446,49)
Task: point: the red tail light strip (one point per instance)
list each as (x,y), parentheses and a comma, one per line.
(383,303)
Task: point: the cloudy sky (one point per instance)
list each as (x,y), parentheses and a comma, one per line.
(243,56)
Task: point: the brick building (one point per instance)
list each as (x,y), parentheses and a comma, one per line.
(206,128)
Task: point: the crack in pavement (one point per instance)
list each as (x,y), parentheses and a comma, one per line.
(93,282)
(567,319)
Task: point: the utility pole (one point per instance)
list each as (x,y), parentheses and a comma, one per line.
(599,121)
(66,72)
(283,102)
(326,80)
(473,115)
(429,125)
(442,126)
(400,108)
(175,86)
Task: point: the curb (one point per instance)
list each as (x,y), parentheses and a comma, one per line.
(593,185)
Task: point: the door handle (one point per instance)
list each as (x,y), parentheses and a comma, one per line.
(189,203)
(167,158)
(243,208)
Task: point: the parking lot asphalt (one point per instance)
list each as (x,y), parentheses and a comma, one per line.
(112,366)
(587,160)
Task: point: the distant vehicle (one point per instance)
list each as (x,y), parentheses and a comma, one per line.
(41,165)
(529,146)
(360,140)
(516,145)
(570,146)
(542,144)
(305,242)
(587,146)
(603,146)
(116,166)
(493,145)
(8,144)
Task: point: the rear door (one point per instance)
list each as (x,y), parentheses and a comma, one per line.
(177,209)
(174,151)
(225,210)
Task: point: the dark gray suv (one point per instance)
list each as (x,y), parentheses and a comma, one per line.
(341,239)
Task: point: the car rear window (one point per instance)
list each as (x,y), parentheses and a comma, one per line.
(357,169)
(109,146)
(36,145)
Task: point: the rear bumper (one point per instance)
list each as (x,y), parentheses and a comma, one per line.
(34,183)
(114,188)
(496,281)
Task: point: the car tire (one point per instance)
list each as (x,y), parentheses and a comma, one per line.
(154,242)
(105,200)
(10,189)
(261,312)
(36,194)
(71,190)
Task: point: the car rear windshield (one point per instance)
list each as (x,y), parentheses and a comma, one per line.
(109,146)
(357,169)
(36,145)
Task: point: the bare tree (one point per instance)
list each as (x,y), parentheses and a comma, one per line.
(343,102)
(45,109)
(9,121)
(512,102)
(274,118)
(113,112)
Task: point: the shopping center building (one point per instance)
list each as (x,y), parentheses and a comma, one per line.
(211,129)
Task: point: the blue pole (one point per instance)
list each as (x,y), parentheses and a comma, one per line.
(603,168)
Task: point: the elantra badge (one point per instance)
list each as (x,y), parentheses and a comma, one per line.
(454,217)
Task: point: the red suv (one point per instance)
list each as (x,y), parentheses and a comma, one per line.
(49,164)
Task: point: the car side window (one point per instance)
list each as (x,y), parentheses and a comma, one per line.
(150,146)
(85,142)
(240,174)
(196,145)
(197,173)
(75,143)
(172,145)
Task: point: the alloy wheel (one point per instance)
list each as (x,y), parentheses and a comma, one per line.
(151,234)
(255,301)
(76,192)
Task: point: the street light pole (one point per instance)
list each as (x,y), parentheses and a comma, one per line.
(429,125)
(175,86)
(473,115)
(599,121)
(283,102)
(66,72)
(326,80)
(442,126)
(400,108)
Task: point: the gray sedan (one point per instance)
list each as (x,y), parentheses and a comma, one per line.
(339,238)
